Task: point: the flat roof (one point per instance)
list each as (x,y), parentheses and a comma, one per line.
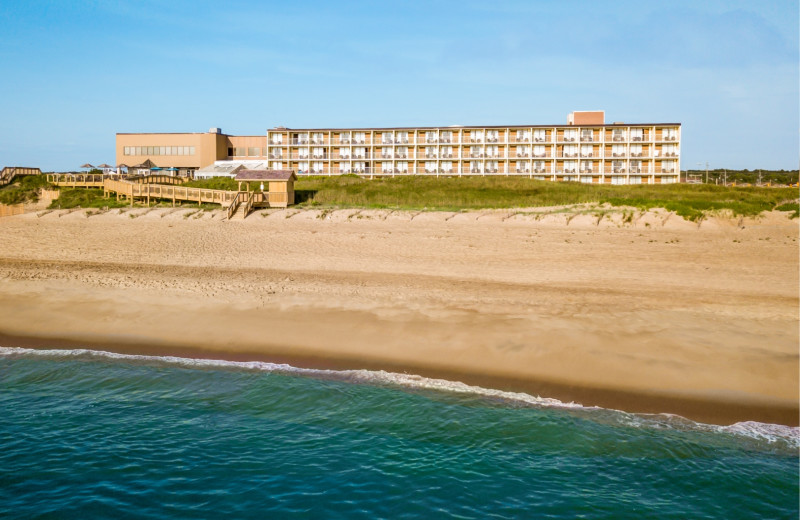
(456,127)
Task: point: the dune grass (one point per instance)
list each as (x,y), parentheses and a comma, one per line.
(25,188)
(690,201)
(85,198)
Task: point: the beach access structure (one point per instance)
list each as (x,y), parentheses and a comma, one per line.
(10,172)
(165,187)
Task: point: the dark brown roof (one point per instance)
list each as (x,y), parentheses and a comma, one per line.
(146,164)
(265,175)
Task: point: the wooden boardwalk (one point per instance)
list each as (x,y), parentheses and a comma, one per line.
(237,204)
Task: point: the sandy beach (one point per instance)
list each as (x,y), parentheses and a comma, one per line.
(643,312)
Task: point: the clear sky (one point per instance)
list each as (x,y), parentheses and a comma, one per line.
(76,72)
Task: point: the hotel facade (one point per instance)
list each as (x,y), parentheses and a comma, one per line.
(586,149)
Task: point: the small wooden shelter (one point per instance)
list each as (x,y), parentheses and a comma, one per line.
(275,186)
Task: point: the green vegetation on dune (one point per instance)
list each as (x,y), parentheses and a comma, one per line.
(85,198)
(25,188)
(216,183)
(691,201)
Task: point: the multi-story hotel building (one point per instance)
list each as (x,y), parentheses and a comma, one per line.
(585,149)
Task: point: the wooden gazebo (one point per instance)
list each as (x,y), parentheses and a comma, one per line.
(275,187)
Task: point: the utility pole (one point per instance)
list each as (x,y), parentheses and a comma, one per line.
(759,178)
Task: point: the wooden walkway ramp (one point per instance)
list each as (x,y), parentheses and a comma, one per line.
(237,204)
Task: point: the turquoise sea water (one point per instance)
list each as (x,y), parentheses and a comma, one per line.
(93,435)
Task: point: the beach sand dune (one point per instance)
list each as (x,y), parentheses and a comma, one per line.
(641,311)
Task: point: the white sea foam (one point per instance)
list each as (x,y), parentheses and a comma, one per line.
(766,432)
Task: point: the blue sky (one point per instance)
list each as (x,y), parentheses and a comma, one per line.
(75,73)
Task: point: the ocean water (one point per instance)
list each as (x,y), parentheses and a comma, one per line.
(86,434)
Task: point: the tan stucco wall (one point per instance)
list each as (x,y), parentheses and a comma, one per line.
(208,148)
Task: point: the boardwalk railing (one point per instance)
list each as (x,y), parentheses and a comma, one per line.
(234,204)
(248,204)
(80,180)
(157,179)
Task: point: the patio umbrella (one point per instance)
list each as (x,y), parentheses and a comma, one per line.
(104,165)
(87,165)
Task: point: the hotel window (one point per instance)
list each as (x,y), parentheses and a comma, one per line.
(303,153)
(344,153)
(540,135)
(491,166)
(402,167)
(586,134)
(302,166)
(476,167)
(401,152)
(430,167)
(430,136)
(668,180)
(523,151)
(635,179)
(317,138)
(359,152)
(618,134)
(386,153)
(586,179)
(618,179)
(570,166)
(344,138)
(318,152)
(538,166)
(386,167)
(670,150)
(446,136)
(253,152)
(668,166)
(430,151)
(586,166)
(586,150)
(492,136)
(524,136)
(344,168)
(317,166)
(618,166)
(636,150)
(277,165)
(636,166)
(359,137)
(636,134)
(539,150)
(570,134)
(277,138)
(358,167)
(388,138)
(571,150)
(301,138)
(618,150)
(447,151)
(401,138)
(239,152)
(670,134)
(477,136)
(492,151)
(447,167)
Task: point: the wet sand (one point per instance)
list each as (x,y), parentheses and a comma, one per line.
(644,314)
